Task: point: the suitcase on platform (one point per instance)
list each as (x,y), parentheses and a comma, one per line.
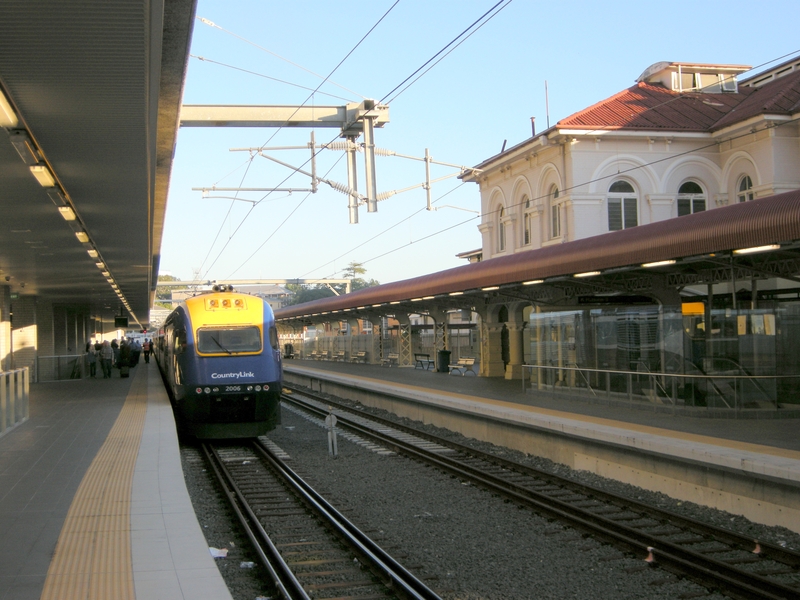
(124,371)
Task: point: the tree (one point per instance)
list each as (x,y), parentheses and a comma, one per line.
(307,293)
(352,271)
(164,293)
(303,293)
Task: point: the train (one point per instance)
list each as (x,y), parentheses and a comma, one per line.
(219,356)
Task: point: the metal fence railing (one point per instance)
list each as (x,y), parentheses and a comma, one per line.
(725,390)
(59,368)
(14,392)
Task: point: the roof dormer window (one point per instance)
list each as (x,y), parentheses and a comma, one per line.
(694,77)
(709,83)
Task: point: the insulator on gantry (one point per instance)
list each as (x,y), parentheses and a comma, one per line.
(340,187)
(385,152)
(386,195)
(338,146)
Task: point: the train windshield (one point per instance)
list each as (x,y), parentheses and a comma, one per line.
(228,340)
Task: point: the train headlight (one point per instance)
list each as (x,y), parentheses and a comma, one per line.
(198,391)
(250,388)
(207,390)
(258,388)
(216,389)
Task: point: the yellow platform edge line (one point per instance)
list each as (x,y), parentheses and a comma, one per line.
(92,558)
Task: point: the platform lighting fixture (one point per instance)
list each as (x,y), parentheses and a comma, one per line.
(756,249)
(456,293)
(92,252)
(533,282)
(100,265)
(43,175)
(427,297)
(658,263)
(587,274)
(105,274)
(8,118)
(491,288)
(395,302)
(416,299)
(360,307)
(83,238)
(67,213)
(376,305)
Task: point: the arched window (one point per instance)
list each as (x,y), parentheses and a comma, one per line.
(555,213)
(526,221)
(623,204)
(745,189)
(691,199)
(501,230)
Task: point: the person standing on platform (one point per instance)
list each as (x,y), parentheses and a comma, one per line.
(124,354)
(136,352)
(146,350)
(115,349)
(91,358)
(106,358)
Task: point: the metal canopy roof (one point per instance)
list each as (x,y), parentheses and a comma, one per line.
(654,260)
(96,87)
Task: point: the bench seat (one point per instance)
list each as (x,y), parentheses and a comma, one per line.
(464,365)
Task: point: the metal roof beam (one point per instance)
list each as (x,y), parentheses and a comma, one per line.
(349,118)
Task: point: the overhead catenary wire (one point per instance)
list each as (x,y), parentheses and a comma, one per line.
(566,189)
(394,89)
(453,41)
(341,62)
(728,139)
(302,87)
(294,64)
(379,234)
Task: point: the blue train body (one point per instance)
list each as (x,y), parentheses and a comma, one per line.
(220,359)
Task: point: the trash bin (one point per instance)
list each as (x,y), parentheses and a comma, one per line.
(442,360)
(288,351)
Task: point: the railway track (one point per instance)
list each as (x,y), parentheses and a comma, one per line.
(720,559)
(308,548)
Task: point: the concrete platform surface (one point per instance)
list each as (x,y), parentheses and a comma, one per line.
(92,497)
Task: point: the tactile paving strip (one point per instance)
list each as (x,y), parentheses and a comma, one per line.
(92,559)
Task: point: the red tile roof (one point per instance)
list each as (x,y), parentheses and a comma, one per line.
(652,107)
(778,97)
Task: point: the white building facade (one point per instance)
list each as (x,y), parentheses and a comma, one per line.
(652,152)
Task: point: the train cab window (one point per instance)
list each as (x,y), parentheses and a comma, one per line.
(218,340)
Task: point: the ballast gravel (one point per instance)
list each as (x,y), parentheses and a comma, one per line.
(462,541)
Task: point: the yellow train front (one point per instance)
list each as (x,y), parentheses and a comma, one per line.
(220,358)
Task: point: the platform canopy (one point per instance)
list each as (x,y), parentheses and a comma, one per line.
(654,263)
(90,94)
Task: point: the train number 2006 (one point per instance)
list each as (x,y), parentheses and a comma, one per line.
(233,388)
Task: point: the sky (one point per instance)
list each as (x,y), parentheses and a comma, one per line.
(480,95)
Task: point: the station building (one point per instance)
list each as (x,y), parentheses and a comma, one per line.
(619,241)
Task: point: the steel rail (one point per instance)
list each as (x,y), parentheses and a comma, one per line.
(400,577)
(669,555)
(765,549)
(286,583)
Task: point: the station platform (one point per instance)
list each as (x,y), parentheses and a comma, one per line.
(746,466)
(92,497)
